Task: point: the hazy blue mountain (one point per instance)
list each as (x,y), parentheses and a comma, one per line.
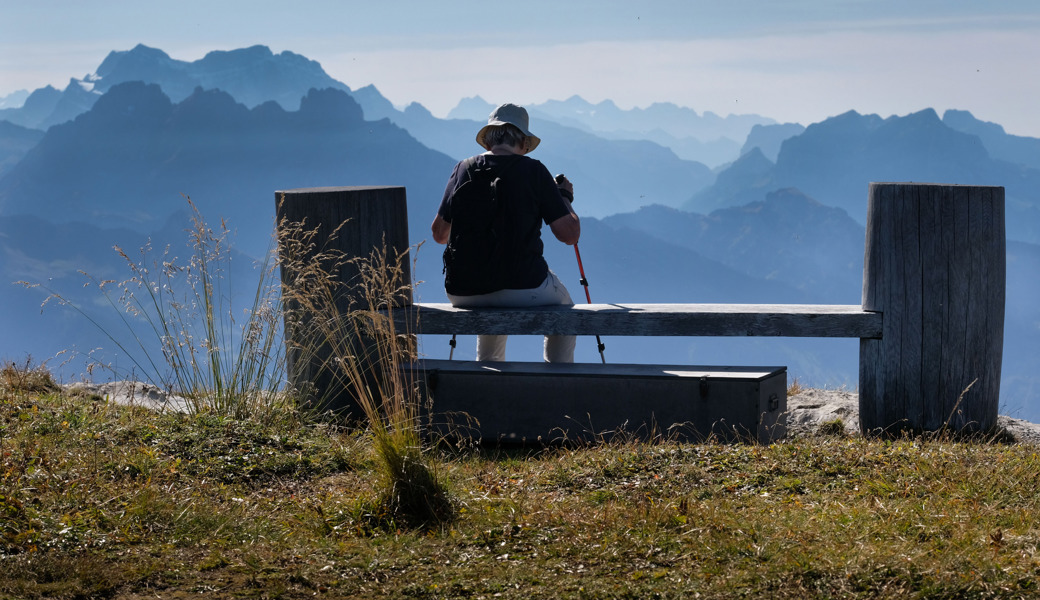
(473,108)
(15,142)
(768,138)
(834,161)
(124,165)
(72,259)
(609,176)
(374,104)
(787,238)
(706,138)
(14,99)
(46,106)
(612,176)
(1019,150)
(128,160)
(712,153)
(35,110)
(676,120)
(626,264)
(251,75)
(1020,384)
(77,99)
(454,137)
(748,179)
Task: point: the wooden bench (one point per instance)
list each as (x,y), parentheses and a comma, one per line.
(784,320)
(592,401)
(930,326)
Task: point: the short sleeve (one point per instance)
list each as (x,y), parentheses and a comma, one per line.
(456,179)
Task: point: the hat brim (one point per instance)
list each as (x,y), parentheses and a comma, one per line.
(533,140)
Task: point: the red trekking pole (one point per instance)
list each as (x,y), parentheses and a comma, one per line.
(561,178)
(585,284)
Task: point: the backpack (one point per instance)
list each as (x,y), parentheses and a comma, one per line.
(482,243)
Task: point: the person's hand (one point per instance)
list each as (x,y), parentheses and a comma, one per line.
(565,185)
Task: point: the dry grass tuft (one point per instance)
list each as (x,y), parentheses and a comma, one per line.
(363,353)
(26,379)
(794,388)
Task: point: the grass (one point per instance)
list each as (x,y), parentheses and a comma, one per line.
(99,500)
(106,501)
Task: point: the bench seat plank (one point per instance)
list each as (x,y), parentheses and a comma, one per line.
(785,320)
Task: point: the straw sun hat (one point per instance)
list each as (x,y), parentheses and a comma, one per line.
(509,114)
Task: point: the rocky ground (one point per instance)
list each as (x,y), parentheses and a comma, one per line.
(131,393)
(806,411)
(810,408)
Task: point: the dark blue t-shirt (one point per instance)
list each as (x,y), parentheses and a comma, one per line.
(533,198)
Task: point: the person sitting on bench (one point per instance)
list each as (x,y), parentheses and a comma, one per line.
(491,218)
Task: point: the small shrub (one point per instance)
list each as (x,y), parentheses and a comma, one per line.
(26,379)
(834,428)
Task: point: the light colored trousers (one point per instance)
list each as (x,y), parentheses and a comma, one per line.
(558,348)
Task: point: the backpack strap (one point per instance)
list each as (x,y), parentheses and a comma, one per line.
(470,164)
(495,172)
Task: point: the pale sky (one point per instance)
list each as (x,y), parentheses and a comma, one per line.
(793,61)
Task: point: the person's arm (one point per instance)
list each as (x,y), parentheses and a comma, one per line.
(567,228)
(441,230)
(441,227)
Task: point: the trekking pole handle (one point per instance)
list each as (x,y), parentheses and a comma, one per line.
(566,187)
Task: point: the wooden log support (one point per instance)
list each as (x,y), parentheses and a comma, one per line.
(364,218)
(785,320)
(935,267)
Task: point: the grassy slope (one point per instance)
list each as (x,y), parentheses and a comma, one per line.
(103,501)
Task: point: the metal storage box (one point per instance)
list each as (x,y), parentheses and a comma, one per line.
(547,402)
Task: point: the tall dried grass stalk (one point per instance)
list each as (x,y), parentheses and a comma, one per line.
(220,364)
(347,329)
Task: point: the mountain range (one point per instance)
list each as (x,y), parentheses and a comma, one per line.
(287,78)
(776,215)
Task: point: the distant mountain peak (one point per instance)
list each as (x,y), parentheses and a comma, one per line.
(131,102)
(330,107)
(962,120)
(474,108)
(927,115)
(258,51)
(752,162)
(14,99)
(417,110)
(574,101)
(139,54)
